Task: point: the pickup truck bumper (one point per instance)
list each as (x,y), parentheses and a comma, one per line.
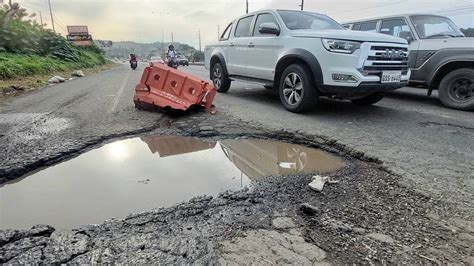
(363,89)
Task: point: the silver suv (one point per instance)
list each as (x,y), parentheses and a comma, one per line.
(441,57)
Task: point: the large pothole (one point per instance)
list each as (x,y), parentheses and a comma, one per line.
(140,174)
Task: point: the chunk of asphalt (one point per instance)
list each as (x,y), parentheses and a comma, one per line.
(381,237)
(309,209)
(283,223)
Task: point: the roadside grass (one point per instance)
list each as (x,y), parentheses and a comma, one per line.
(19,73)
(22,65)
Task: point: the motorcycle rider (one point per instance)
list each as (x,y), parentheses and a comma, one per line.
(171,56)
(133,58)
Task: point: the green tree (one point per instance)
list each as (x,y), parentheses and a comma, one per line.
(198,56)
(469,32)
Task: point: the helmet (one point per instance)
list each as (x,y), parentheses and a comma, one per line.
(171,47)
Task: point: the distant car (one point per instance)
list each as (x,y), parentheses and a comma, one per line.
(441,57)
(183,61)
(157,59)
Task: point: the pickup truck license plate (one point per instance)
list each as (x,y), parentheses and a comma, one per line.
(391,76)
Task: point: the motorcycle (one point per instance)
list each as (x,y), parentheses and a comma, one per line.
(133,64)
(173,62)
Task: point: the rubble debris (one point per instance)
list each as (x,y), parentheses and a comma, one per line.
(283,223)
(381,237)
(56,79)
(309,209)
(318,182)
(78,73)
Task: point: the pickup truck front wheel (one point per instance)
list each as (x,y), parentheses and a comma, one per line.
(219,78)
(456,89)
(298,92)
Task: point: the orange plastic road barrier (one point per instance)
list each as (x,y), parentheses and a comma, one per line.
(162,86)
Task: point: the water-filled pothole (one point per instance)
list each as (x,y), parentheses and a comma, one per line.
(140,174)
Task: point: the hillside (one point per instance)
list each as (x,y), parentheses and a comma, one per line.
(123,49)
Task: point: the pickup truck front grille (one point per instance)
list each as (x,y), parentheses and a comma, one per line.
(385,57)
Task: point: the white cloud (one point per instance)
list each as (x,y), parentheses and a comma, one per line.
(143,20)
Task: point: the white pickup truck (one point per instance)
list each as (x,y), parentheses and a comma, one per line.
(306,55)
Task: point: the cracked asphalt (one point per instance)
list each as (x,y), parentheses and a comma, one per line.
(404,196)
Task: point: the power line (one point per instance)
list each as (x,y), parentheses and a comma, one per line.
(60,23)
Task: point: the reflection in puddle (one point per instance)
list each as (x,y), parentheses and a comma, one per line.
(140,174)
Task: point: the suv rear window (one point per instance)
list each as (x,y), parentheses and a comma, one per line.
(395,27)
(369,26)
(243,27)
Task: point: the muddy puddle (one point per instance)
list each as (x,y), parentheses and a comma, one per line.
(140,174)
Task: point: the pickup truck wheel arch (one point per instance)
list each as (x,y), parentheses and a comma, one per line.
(444,69)
(218,58)
(299,56)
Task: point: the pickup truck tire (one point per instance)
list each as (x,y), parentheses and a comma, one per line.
(370,99)
(456,89)
(219,78)
(297,89)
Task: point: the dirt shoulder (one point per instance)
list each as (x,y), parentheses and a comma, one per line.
(368,217)
(17,86)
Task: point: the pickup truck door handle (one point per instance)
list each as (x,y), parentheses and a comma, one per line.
(251,44)
(231,44)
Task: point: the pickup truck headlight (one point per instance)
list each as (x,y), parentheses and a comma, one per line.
(340,46)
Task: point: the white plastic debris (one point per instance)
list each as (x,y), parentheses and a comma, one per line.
(56,79)
(319,181)
(78,73)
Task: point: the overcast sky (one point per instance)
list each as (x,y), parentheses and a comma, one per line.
(142,21)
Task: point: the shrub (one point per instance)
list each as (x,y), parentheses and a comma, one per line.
(26,48)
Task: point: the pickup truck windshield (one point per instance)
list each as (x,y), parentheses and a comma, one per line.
(299,20)
(429,27)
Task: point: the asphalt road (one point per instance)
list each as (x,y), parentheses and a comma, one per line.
(50,122)
(414,135)
(428,146)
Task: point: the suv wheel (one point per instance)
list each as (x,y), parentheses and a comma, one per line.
(298,92)
(219,78)
(370,99)
(456,89)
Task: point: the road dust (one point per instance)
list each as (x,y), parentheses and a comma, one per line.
(140,174)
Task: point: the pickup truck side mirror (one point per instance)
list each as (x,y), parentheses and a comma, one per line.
(269,28)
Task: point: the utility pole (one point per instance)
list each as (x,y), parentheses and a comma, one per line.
(247,5)
(218,32)
(302,5)
(41,20)
(199,34)
(51,13)
(172,38)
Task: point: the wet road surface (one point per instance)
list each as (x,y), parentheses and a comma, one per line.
(141,174)
(370,216)
(414,135)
